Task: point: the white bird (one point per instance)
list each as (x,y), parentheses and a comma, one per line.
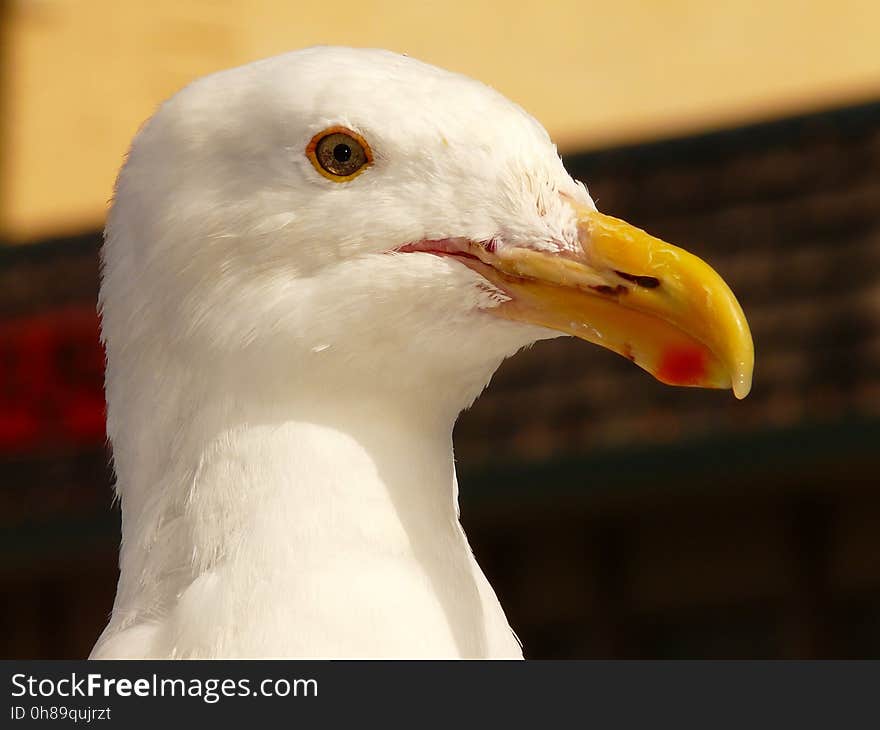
(312,264)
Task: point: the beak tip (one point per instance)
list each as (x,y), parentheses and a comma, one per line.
(742,385)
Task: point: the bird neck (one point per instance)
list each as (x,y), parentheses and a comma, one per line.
(298,489)
(349,473)
(322,459)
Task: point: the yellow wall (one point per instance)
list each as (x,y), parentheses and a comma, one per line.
(81,75)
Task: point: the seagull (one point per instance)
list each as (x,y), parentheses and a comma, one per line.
(312,264)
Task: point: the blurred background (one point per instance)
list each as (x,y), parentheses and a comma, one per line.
(616,517)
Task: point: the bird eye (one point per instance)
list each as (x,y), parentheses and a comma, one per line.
(339,154)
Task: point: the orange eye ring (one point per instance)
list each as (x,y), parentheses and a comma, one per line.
(339,154)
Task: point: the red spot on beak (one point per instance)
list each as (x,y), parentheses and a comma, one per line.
(683,366)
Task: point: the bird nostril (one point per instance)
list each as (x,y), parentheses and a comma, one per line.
(647,282)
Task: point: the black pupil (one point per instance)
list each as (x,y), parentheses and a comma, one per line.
(342,152)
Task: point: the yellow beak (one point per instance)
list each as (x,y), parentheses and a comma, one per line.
(656,304)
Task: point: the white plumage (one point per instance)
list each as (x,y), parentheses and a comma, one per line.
(282,384)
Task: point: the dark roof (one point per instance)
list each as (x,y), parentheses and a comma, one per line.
(787,212)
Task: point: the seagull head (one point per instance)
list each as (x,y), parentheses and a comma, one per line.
(374,220)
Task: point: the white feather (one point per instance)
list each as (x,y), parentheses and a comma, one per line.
(281,388)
